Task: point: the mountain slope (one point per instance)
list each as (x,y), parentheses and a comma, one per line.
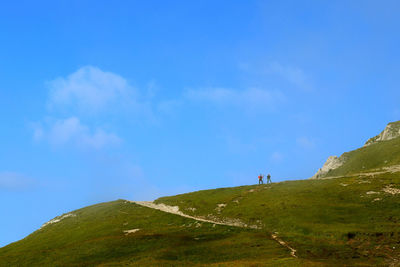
(380,154)
(346,220)
(123,233)
(391,131)
(351,220)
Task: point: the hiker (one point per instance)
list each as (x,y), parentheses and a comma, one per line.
(269,179)
(260,179)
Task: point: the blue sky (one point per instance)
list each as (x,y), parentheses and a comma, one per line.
(103,100)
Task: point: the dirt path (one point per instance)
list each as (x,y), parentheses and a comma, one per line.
(235,223)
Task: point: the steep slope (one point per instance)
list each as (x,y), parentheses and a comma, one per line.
(350,220)
(391,131)
(380,154)
(123,233)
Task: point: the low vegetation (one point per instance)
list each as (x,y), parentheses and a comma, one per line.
(99,236)
(351,219)
(373,158)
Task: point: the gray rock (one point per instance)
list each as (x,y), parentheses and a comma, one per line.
(333,162)
(391,131)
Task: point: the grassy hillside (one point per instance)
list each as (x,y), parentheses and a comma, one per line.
(345,221)
(335,221)
(353,220)
(373,157)
(94,236)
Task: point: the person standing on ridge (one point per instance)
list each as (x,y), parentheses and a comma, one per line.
(269,179)
(260,179)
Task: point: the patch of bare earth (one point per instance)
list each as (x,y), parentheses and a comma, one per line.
(127,232)
(390,190)
(211,219)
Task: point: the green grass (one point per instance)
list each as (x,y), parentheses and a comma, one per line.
(348,221)
(374,156)
(393,128)
(332,220)
(95,238)
(344,221)
(329,222)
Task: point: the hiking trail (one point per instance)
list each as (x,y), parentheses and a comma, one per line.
(232,222)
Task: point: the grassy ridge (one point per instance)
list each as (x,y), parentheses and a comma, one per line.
(334,220)
(374,156)
(344,221)
(353,220)
(95,237)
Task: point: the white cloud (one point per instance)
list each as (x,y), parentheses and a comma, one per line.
(294,75)
(37,131)
(72,131)
(14,181)
(248,99)
(92,91)
(89,89)
(305,143)
(169,106)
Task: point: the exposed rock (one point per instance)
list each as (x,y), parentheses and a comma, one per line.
(220,207)
(58,219)
(332,163)
(388,189)
(127,232)
(391,131)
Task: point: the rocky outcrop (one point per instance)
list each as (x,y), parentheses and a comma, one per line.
(391,131)
(332,163)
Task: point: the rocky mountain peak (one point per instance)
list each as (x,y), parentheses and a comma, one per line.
(391,131)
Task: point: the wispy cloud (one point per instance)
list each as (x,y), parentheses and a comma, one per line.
(294,75)
(72,131)
(250,99)
(13,181)
(86,93)
(169,106)
(89,89)
(305,142)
